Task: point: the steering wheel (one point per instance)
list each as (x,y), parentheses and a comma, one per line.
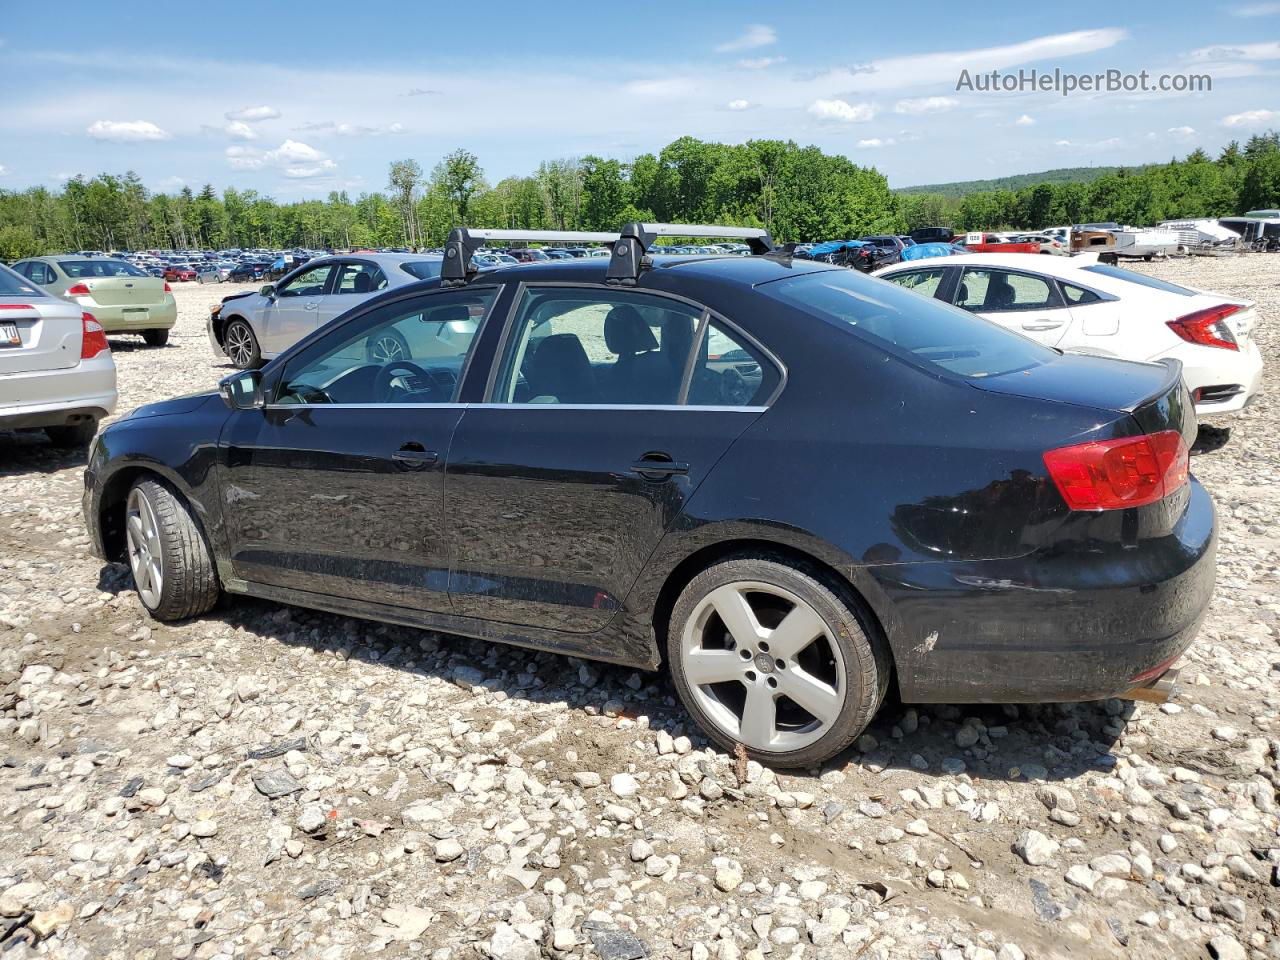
(384,383)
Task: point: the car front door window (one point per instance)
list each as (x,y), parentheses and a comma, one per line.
(309,283)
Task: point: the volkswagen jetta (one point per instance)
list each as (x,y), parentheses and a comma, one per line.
(792,484)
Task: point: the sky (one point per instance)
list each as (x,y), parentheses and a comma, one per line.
(326,94)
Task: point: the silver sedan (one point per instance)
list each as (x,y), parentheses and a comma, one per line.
(252,328)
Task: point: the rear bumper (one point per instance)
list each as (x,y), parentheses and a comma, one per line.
(1086,622)
(51,398)
(1214,367)
(125,318)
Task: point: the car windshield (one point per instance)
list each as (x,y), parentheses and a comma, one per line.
(13,284)
(422,269)
(905,322)
(1140,279)
(99,268)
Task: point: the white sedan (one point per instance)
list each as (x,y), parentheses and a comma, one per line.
(1081,306)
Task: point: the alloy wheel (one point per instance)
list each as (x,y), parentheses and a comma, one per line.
(146,554)
(385,349)
(763,666)
(239,344)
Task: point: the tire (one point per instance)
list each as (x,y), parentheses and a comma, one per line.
(73,436)
(241,345)
(386,347)
(844,668)
(155,338)
(164,544)
(199,278)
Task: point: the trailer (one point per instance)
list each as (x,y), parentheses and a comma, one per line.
(1204,237)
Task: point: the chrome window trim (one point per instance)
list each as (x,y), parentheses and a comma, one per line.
(514,406)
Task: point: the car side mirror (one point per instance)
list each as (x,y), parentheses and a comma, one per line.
(268,290)
(242,391)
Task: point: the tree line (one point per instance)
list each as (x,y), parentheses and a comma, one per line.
(797,193)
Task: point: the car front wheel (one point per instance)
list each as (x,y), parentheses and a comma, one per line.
(241,345)
(767,655)
(172,566)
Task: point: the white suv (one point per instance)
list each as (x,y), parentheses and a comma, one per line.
(56,371)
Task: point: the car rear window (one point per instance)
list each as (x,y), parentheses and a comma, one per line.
(906,323)
(13,284)
(99,268)
(1140,279)
(422,269)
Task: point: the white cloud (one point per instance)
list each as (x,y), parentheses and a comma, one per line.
(669,87)
(1026,120)
(1183,131)
(1062,143)
(126,131)
(925,69)
(3,169)
(239,130)
(921,105)
(756,35)
(738,104)
(873,142)
(843,111)
(1251,118)
(295,159)
(253,114)
(1238,51)
(759,63)
(1256,10)
(172,183)
(421,92)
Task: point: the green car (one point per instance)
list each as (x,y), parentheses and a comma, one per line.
(120,296)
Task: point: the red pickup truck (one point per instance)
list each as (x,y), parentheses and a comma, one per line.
(990,243)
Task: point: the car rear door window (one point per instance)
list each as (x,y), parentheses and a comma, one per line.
(590,346)
(984,290)
(1078,296)
(923,282)
(359,277)
(410,352)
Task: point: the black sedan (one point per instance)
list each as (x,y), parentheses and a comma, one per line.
(790,484)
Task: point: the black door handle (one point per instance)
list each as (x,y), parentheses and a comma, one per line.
(415,453)
(658,466)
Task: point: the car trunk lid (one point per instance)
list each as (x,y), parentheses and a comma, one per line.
(47,332)
(125,291)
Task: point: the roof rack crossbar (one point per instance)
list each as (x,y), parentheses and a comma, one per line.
(638,238)
(463,243)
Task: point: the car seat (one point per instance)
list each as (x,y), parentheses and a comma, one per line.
(641,373)
(559,368)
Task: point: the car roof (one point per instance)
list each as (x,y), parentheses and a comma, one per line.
(726,268)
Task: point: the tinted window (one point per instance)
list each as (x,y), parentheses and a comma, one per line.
(903,322)
(587,346)
(13,285)
(100,268)
(729,372)
(1078,296)
(923,282)
(992,290)
(422,269)
(400,354)
(1141,279)
(309,283)
(359,278)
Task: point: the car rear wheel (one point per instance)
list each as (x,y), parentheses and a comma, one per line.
(72,436)
(766,655)
(172,566)
(241,345)
(155,338)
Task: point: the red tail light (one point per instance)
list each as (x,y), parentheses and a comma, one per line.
(78,290)
(1208,327)
(168,289)
(1125,472)
(94,340)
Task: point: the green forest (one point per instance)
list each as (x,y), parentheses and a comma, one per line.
(958,188)
(798,193)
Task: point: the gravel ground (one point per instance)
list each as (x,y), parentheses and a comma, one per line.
(267,781)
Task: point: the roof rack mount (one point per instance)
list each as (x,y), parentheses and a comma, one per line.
(463,243)
(638,238)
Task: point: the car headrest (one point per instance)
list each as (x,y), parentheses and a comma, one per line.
(1000,293)
(962,294)
(625,331)
(362,283)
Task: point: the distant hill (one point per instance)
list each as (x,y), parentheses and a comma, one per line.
(959,188)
